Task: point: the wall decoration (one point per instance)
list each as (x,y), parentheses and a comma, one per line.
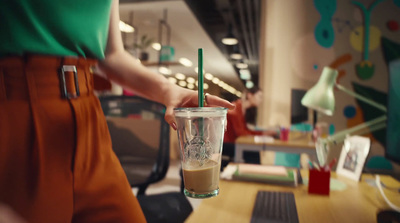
(357,40)
(349,111)
(392,25)
(324,32)
(391,50)
(308,58)
(338,62)
(332,129)
(358,119)
(342,24)
(365,69)
(371,112)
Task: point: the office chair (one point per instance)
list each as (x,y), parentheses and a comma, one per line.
(287,159)
(378,165)
(140,139)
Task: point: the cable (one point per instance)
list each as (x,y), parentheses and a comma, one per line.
(394,189)
(378,184)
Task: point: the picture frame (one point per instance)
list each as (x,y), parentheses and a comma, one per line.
(352,158)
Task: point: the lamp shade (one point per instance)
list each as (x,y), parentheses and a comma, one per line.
(320,97)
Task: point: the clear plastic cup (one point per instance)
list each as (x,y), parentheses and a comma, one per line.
(200,136)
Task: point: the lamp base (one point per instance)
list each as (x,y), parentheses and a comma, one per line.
(388,216)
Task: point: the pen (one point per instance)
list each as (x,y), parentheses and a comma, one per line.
(316,166)
(329,167)
(310,163)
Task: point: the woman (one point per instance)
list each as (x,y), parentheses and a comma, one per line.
(56,162)
(237,124)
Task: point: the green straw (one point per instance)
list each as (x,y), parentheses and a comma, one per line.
(200,89)
(200,78)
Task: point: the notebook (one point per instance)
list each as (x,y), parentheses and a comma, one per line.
(278,175)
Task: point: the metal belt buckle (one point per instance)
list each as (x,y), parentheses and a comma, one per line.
(64,90)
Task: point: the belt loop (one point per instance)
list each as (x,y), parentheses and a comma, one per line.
(30,80)
(87,70)
(3,95)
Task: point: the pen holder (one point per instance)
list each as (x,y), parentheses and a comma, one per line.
(318,182)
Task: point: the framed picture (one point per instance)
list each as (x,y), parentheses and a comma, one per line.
(352,158)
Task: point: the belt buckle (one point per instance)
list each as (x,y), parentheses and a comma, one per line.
(64,90)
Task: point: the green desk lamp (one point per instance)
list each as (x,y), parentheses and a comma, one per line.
(321,98)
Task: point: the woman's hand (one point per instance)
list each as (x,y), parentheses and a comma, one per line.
(180,97)
(7,215)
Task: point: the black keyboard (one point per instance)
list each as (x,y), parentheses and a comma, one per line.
(275,207)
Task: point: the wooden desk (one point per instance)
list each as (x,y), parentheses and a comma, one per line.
(359,202)
(248,143)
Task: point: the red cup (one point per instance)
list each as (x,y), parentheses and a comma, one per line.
(284,135)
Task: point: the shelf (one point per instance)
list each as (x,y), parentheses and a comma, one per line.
(156,64)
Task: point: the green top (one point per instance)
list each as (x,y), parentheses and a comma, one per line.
(54,27)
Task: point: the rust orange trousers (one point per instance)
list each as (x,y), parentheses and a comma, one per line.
(56,160)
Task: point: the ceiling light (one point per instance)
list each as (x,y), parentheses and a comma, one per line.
(180,76)
(190,86)
(164,70)
(182,83)
(205,86)
(185,62)
(229,39)
(239,94)
(156,46)
(249,84)
(236,56)
(190,80)
(241,65)
(196,69)
(208,76)
(215,80)
(172,80)
(123,27)
(244,74)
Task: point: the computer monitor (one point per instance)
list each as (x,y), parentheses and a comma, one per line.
(392,148)
(298,112)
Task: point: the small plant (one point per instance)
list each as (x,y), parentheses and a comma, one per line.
(143,43)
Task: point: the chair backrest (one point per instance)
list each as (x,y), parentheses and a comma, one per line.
(140,137)
(287,159)
(378,163)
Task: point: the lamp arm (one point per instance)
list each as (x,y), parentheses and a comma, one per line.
(362,98)
(322,144)
(373,125)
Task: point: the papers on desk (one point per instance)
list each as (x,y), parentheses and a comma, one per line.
(278,175)
(263,139)
(244,168)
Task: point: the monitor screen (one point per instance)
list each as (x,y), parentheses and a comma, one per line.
(392,151)
(298,112)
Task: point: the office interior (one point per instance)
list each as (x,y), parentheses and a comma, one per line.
(284,45)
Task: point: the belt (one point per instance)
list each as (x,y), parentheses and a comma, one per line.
(45,77)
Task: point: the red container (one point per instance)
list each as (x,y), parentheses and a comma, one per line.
(318,182)
(284,134)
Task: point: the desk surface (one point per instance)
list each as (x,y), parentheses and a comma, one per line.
(303,143)
(359,202)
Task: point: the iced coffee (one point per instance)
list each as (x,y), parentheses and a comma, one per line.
(200,134)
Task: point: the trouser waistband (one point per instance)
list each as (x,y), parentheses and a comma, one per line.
(45,77)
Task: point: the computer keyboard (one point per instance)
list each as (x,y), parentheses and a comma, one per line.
(275,207)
